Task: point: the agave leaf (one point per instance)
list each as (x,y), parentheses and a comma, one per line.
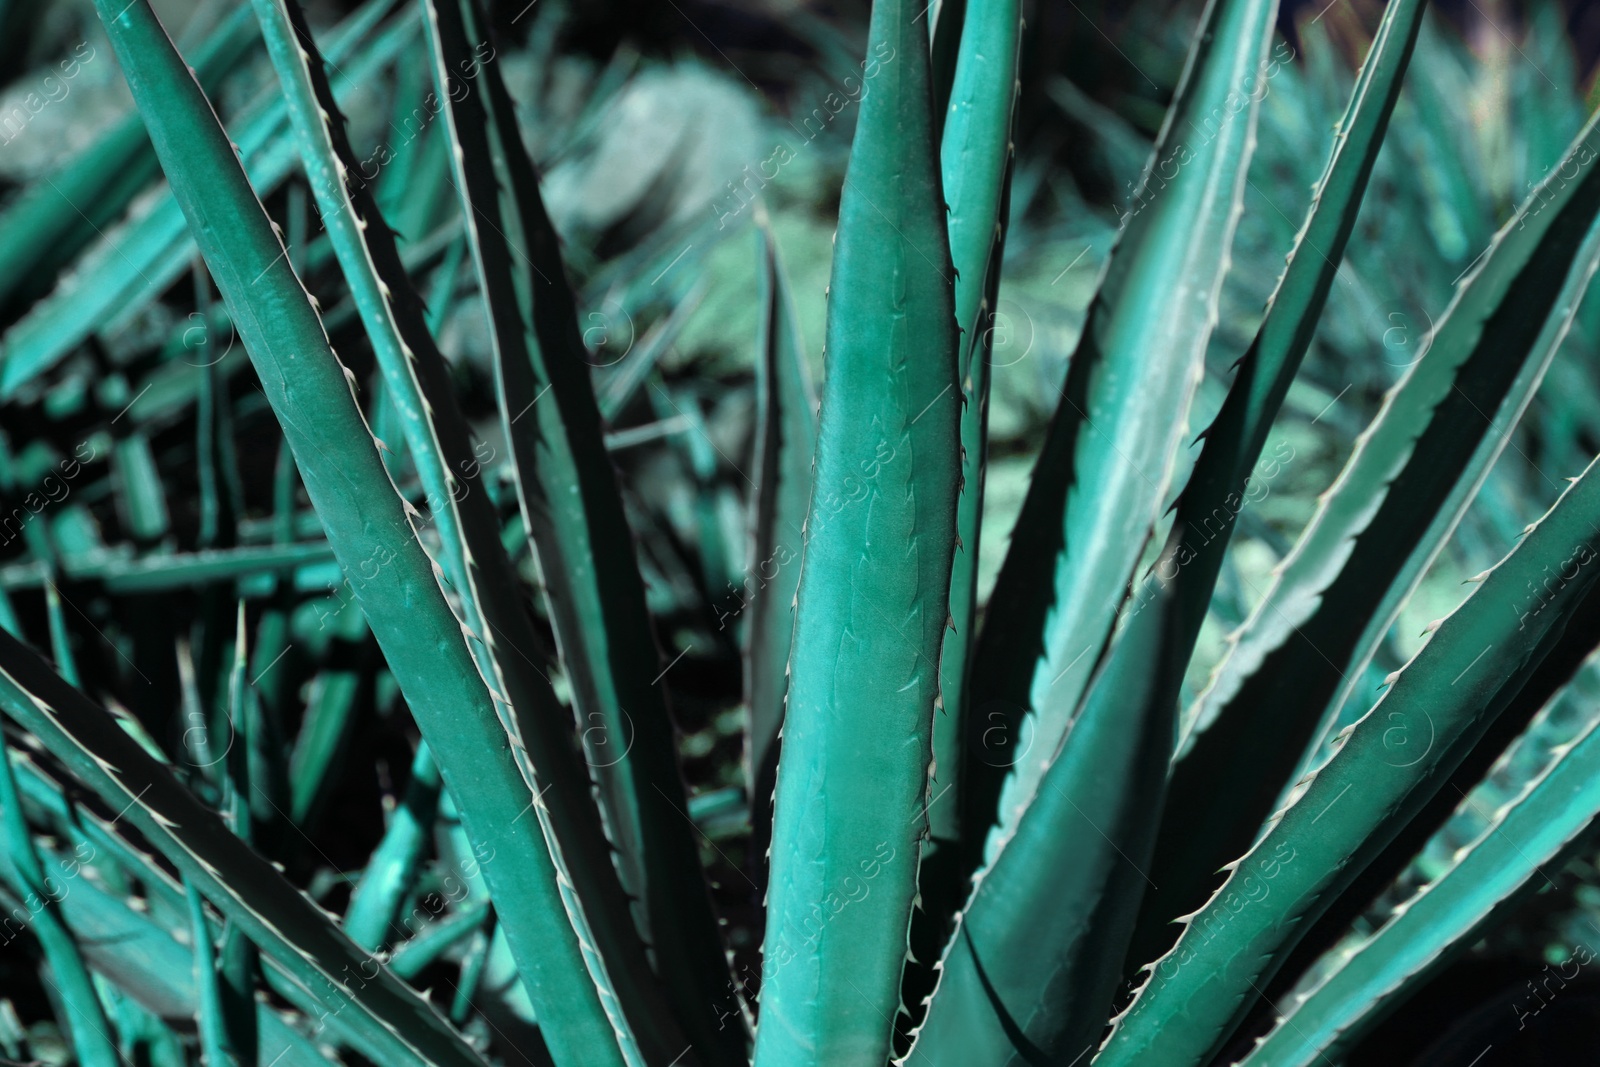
(392,868)
(572,508)
(153,968)
(213,1033)
(1036,955)
(391,1019)
(417,382)
(136,949)
(42,793)
(134,263)
(786,434)
(1536,831)
(975,161)
(1185,575)
(1555,671)
(1385,768)
(239,962)
(157,572)
(372,534)
(430,253)
(871,611)
(1035,958)
(329,720)
(414,370)
(413,955)
(86,1021)
(1238,434)
(1101,479)
(1412,475)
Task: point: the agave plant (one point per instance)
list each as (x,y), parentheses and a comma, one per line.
(985,836)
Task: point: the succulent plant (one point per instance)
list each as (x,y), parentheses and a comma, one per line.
(985,827)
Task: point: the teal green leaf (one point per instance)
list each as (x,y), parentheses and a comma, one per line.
(1228,472)
(1386,766)
(153,967)
(501,636)
(373,537)
(413,955)
(1535,832)
(1102,478)
(786,434)
(1035,958)
(137,950)
(391,1019)
(975,161)
(852,791)
(1559,669)
(570,503)
(126,572)
(329,719)
(392,868)
(213,1033)
(42,894)
(239,961)
(1413,474)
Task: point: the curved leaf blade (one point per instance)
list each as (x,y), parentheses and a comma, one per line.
(1101,480)
(1185,576)
(1410,479)
(371,533)
(500,631)
(786,435)
(391,1018)
(872,606)
(572,509)
(975,162)
(86,1021)
(1533,833)
(1555,671)
(141,958)
(1035,959)
(1341,815)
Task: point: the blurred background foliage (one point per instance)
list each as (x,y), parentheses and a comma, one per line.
(663,131)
